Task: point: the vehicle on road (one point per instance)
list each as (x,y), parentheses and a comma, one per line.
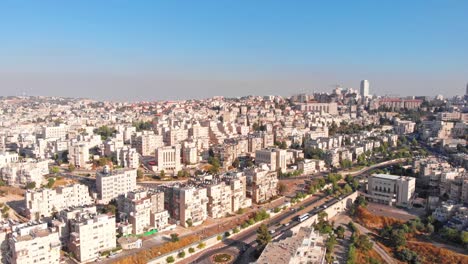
(286,224)
(303,217)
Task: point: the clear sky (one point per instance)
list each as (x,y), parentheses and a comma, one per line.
(153,50)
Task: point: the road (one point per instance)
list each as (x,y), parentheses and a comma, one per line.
(388,259)
(243,244)
(344,172)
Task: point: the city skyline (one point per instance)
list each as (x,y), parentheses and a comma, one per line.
(160,51)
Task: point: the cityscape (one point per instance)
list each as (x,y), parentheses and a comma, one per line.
(207,165)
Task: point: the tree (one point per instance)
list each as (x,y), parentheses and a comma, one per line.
(361,201)
(170,259)
(464,237)
(340,232)
(174,237)
(363,242)
(139,174)
(347,189)
(50,182)
(201,245)
(189,222)
(191,250)
(54,170)
(398,237)
(263,236)
(181,254)
(227,234)
(71,167)
(162,174)
(282,188)
(31,185)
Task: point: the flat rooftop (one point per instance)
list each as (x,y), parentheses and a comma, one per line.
(386,176)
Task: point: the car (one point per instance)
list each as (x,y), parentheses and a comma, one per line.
(272,231)
(286,224)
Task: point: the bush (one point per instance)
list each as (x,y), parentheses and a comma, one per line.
(235,231)
(31,185)
(181,254)
(174,237)
(201,245)
(170,259)
(227,234)
(191,250)
(219,237)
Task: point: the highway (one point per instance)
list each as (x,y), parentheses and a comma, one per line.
(243,244)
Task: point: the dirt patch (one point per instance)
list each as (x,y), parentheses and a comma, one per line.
(432,254)
(365,257)
(372,221)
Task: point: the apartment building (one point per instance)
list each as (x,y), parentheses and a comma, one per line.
(189,155)
(144,210)
(34,244)
(261,184)
(403,127)
(309,166)
(23,172)
(128,157)
(238,183)
(186,204)
(274,158)
(90,235)
(328,108)
(60,131)
(147,142)
(110,184)
(391,189)
(307,246)
(168,158)
(78,154)
(219,199)
(7,158)
(44,202)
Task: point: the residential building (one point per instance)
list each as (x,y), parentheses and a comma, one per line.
(307,246)
(44,202)
(34,244)
(90,235)
(391,189)
(261,184)
(274,158)
(110,184)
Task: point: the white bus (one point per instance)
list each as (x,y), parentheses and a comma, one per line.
(303,217)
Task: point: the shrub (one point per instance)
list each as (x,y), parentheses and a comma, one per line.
(191,250)
(219,237)
(170,259)
(181,254)
(201,245)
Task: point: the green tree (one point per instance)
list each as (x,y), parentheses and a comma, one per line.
(54,170)
(170,259)
(201,245)
(174,237)
(464,237)
(50,182)
(162,174)
(263,236)
(398,237)
(340,232)
(139,174)
(31,185)
(191,250)
(363,242)
(181,254)
(71,167)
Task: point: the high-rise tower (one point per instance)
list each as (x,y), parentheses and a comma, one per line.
(364,88)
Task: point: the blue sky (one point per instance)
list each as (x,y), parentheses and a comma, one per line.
(139,50)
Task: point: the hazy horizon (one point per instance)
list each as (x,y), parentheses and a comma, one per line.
(134,51)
